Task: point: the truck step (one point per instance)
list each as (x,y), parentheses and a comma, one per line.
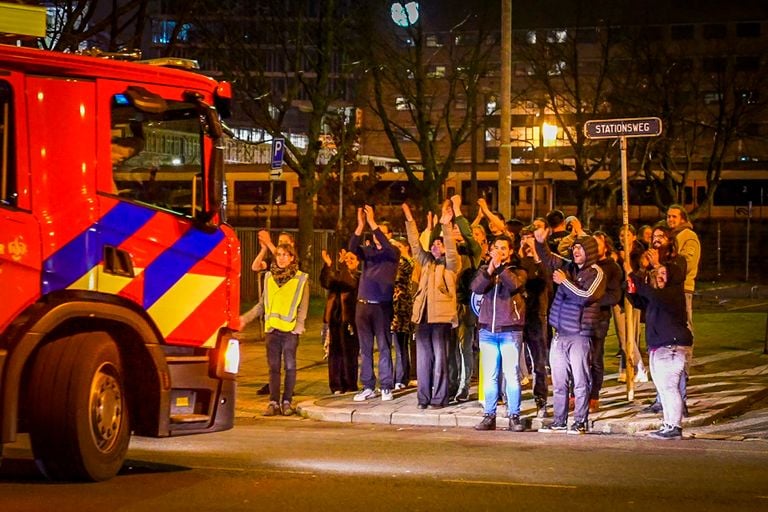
(190,418)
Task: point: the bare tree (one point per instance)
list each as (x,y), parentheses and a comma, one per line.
(568,74)
(289,64)
(707,106)
(425,86)
(108,26)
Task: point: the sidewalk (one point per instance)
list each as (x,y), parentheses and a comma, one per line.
(725,380)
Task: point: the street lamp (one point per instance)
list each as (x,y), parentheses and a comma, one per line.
(547,137)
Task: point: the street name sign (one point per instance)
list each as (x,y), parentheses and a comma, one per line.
(612,128)
(278,150)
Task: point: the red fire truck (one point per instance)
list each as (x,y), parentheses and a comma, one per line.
(119,278)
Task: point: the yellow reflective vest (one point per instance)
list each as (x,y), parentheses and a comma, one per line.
(281,303)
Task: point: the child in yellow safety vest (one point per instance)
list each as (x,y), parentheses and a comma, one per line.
(283,304)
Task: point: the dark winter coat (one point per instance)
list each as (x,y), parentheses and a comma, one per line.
(503,306)
(342,294)
(576,307)
(666,318)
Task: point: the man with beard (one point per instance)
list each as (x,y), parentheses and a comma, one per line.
(574,315)
(688,246)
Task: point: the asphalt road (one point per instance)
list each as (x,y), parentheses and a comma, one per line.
(292,464)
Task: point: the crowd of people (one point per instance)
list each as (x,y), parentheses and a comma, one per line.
(521,303)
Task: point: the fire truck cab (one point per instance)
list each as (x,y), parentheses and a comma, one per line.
(120,280)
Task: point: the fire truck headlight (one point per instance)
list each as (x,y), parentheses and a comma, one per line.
(232,356)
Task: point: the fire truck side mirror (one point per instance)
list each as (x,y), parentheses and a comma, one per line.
(222,99)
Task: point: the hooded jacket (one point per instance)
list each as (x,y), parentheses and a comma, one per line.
(576,307)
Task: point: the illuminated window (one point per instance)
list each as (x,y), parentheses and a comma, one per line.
(433,41)
(747,97)
(712,97)
(163,31)
(491,105)
(401,103)
(436,72)
(257,192)
(557,36)
(557,68)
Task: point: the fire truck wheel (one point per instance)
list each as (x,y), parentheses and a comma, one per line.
(78,409)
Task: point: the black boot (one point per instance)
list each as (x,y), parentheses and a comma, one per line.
(488,423)
(515,425)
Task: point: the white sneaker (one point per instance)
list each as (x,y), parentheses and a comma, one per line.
(399,386)
(386,395)
(641,375)
(364,395)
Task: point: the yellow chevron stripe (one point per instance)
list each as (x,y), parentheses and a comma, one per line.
(180,301)
(211,342)
(97,279)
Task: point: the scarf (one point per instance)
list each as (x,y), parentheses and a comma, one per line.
(283,275)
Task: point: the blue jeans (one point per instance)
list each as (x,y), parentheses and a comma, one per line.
(570,354)
(668,364)
(501,351)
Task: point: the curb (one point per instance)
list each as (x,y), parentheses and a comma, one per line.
(617,416)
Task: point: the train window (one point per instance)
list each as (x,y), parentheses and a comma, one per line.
(643,193)
(701,194)
(565,193)
(489,190)
(688,193)
(391,192)
(528,195)
(740,193)
(257,192)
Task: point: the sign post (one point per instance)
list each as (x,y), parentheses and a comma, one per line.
(622,129)
(275,173)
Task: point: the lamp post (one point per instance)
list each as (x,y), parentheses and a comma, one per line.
(505,165)
(341,171)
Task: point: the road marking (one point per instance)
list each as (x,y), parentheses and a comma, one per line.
(251,469)
(749,306)
(511,484)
